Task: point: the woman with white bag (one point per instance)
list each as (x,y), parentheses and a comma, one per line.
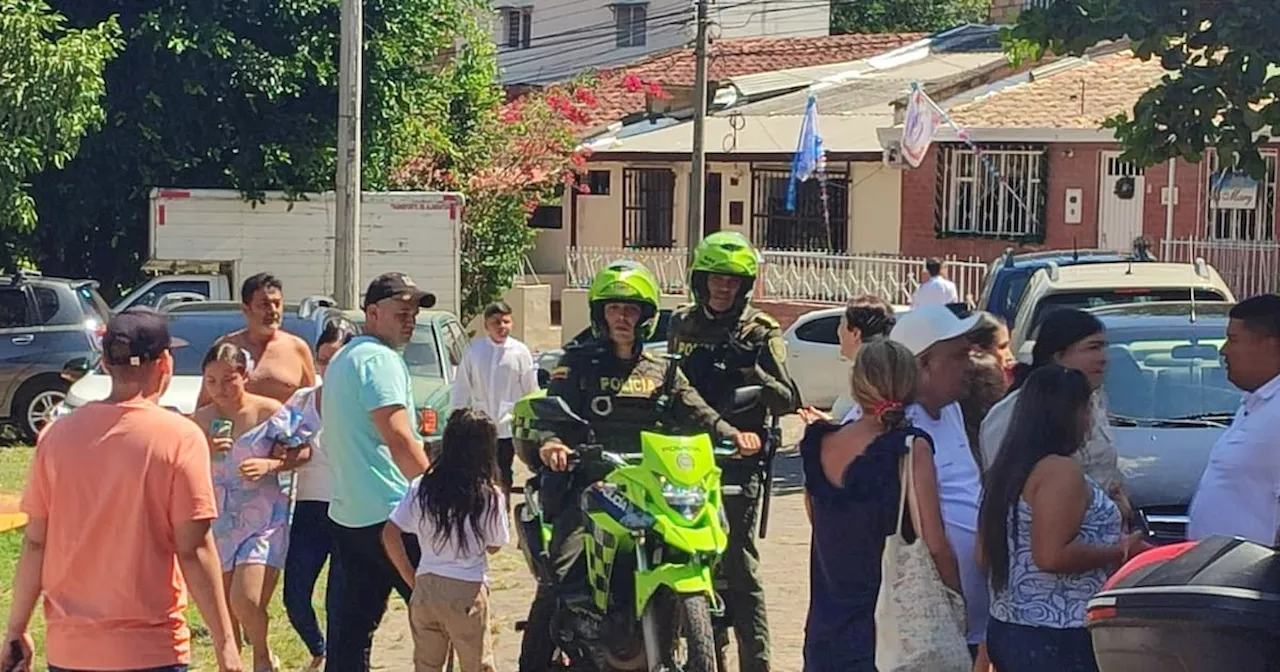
(852,477)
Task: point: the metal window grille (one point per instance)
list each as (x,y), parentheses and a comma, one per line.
(805,228)
(1236,224)
(972,200)
(632,24)
(1036,4)
(519,28)
(648,207)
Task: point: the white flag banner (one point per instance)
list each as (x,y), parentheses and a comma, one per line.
(918,127)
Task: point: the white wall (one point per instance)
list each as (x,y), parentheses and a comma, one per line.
(569,36)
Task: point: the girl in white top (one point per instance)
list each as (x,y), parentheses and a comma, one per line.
(458,513)
(310,538)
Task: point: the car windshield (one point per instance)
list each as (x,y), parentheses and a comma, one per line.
(422,354)
(201,329)
(1096,298)
(1169,374)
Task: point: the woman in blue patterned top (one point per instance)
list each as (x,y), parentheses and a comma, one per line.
(1048,534)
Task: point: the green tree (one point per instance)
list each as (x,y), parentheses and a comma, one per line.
(890,16)
(51,90)
(242,94)
(1220,90)
(518,159)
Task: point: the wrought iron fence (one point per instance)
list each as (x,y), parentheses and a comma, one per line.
(796,276)
(1248,267)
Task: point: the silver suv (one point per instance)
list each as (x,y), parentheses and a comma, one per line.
(45,324)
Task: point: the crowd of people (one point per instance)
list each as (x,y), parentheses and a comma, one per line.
(1004,478)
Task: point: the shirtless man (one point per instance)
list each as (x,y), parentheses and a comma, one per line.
(282,362)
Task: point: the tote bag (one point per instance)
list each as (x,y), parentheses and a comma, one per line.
(920,623)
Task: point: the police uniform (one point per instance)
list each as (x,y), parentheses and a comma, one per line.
(619,399)
(719,355)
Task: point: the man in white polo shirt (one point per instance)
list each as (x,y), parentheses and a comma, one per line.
(940,342)
(1239,491)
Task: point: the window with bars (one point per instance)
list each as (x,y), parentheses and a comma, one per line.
(1245,224)
(648,207)
(519,27)
(1036,4)
(999,191)
(632,24)
(813,225)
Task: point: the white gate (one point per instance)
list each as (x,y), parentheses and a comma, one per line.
(1120,217)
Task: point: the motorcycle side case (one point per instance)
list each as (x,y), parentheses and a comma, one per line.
(1193,607)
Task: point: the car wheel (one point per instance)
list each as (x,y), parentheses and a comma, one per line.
(34,404)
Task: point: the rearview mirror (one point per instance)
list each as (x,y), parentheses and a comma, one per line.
(554,410)
(746,397)
(75,369)
(1195,352)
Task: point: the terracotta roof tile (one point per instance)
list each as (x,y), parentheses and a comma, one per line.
(735,58)
(1078,97)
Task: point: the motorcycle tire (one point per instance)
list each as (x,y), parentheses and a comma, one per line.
(699,633)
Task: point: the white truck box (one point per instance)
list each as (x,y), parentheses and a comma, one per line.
(417,233)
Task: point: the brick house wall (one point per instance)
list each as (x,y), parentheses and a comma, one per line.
(1070,166)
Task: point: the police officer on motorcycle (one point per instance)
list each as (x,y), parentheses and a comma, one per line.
(724,344)
(610,381)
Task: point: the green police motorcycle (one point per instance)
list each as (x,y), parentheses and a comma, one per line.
(655,532)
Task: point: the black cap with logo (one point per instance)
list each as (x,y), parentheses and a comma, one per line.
(397,286)
(136,336)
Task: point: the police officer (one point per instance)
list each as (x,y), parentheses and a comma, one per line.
(615,385)
(726,344)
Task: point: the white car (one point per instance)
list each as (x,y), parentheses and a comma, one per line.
(813,355)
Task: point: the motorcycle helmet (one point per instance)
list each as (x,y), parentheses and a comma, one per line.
(624,281)
(525,437)
(723,253)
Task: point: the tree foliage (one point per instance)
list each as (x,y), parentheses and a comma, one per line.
(879,16)
(519,158)
(242,94)
(1222,81)
(51,90)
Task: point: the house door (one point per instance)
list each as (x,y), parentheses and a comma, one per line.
(1120,203)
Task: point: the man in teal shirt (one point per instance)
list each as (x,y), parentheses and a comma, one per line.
(374,451)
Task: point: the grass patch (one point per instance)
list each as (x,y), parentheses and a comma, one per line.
(285,643)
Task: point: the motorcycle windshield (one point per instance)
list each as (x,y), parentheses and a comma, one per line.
(683,460)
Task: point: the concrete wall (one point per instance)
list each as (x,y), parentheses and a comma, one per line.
(531,313)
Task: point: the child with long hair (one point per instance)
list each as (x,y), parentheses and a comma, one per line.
(458,513)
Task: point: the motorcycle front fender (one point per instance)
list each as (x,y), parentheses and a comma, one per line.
(687,579)
(700,539)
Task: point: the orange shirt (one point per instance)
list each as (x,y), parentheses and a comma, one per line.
(113,480)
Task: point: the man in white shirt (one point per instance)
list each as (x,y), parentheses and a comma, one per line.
(937,290)
(940,342)
(495,373)
(1239,491)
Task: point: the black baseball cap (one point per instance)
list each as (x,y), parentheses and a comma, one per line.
(397,286)
(136,336)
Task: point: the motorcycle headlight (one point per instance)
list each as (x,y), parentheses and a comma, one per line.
(688,501)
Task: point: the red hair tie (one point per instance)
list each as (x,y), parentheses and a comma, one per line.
(884,407)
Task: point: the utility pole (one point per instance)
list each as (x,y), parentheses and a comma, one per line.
(698,172)
(346,247)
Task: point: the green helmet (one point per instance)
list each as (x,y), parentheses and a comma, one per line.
(625,281)
(724,253)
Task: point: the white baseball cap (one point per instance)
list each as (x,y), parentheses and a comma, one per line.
(921,328)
